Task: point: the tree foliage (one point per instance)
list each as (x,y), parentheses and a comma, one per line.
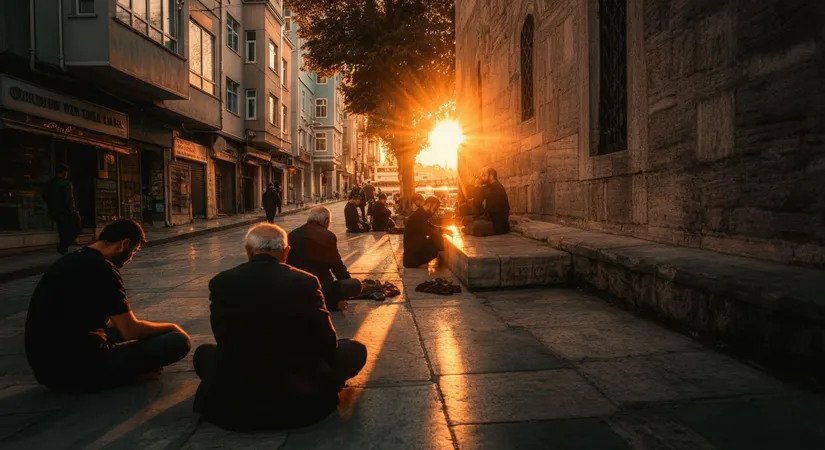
(396,57)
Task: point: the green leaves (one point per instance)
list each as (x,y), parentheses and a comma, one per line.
(397,59)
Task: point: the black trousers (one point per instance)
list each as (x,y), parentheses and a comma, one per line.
(366,229)
(349,359)
(425,253)
(270,216)
(68,228)
(339,290)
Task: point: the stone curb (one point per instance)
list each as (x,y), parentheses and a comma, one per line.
(40,268)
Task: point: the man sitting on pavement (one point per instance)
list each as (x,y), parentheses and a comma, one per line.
(315,250)
(81,333)
(355,224)
(277,362)
(422,240)
(490,206)
(381,215)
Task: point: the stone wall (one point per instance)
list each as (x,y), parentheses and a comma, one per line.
(726,129)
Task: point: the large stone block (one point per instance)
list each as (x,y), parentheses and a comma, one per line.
(620,199)
(716,129)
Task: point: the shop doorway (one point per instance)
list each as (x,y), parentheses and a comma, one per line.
(248,193)
(198,191)
(83,164)
(154,205)
(130,192)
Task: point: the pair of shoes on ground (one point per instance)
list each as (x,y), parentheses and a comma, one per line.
(439,286)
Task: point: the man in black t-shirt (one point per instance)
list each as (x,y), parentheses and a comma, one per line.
(354,223)
(422,239)
(81,333)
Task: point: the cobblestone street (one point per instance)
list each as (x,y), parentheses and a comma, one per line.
(530,368)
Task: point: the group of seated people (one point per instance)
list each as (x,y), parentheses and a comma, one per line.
(277,362)
(379,211)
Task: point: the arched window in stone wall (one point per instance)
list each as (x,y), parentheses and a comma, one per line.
(528,108)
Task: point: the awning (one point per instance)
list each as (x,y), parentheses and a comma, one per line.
(10,124)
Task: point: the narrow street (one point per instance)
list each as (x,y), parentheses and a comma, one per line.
(538,368)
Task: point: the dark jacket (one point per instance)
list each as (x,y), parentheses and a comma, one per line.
(369,192)
(351,217)
(59,196)
(419,239)
(271,199)
(497,207)
(315,250)
(273,333)
(381,217)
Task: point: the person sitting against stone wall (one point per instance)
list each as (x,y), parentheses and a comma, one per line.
(277,362)
(490,206)
(315,250)
(81,334)
(381,215)
(354,222)
(422,239)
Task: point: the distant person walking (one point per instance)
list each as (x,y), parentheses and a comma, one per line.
(272,202)
(59,198)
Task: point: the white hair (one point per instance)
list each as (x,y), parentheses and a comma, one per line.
(266,237)
(319,215)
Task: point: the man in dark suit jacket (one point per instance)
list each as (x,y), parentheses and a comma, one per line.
(422,240)
(355,224)
(315,250)
(496,204)
(278,362)
(381,215)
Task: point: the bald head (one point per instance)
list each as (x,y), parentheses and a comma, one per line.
(267,239)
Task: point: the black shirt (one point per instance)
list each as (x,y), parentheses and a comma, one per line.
(66,322)
(497,207)
(315,250)
(418,232)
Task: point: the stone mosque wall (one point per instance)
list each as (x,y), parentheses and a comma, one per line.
(725,119)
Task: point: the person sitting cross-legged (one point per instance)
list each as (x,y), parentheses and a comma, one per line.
(422,239)
(354,222)
(381,215)
(315,250)
(277,362)
(81,333)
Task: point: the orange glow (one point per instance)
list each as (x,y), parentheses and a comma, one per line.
(445,139)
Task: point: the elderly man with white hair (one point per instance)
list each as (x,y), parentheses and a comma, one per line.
(277,362)
(315,249)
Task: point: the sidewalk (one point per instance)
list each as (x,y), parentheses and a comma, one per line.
(23,265)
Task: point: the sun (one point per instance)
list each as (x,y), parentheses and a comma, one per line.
(445,139)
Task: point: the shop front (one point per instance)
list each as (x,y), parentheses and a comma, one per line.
(40,129)
(252,183)
(188,181)
(225,159)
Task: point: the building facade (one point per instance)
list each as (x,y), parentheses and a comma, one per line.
(694,123)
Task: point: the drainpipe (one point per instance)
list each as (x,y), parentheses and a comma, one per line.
(61,58)
(167,186)
(32,38)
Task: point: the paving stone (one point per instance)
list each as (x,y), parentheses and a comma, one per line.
(442,302)
(117,417)
(394,353)
(408,417)
(521,396)
(210,437)
(793,422)
(466,352)
(573,434)
(31,399)
(624,336)
(679,376)
(432,322)
(553,308)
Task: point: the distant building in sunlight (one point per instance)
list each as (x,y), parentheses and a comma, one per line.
(694,123)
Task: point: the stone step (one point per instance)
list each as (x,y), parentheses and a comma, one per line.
(504,261)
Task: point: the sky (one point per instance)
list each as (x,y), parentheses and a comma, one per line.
(443,149)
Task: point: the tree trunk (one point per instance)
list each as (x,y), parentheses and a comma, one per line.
(406,171)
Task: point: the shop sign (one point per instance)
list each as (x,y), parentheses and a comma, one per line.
(258,154)
(27,98)
(191,150)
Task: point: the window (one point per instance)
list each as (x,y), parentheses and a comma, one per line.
(284,121)
(273,55)
(528,109)
(273,112)
(251,104)
(303,102)
(322,80)
(160,24)
(321,108)
(320,142)
(232,29)
(201,58)
(251,46)
(284,72)
(288,25)
(232,96)
(85,6)
(612,76)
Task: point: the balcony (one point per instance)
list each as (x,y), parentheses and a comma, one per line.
(134,57)
(201,111)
